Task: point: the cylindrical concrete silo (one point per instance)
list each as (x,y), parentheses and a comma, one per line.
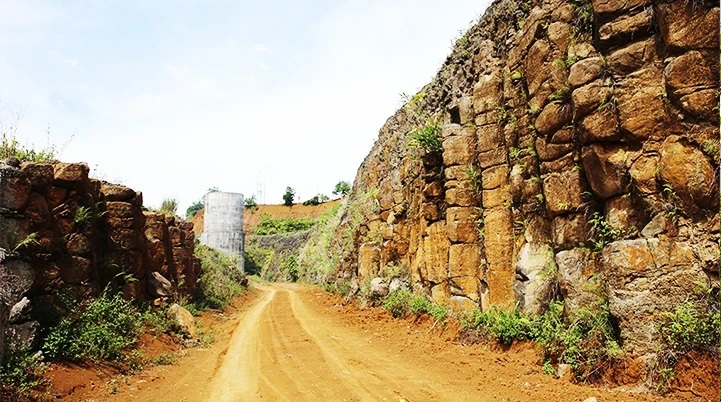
(223,227)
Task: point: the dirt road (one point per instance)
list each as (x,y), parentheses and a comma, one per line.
(296,343)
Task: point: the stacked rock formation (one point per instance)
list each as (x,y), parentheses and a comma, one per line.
(65,235)
(579,160)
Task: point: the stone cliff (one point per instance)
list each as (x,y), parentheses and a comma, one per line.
(66,236)
(576,157)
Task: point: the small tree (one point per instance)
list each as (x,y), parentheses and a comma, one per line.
(289,196)
(251,202)
(193,209)
(342,188)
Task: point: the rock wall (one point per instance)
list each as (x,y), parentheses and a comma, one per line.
(66,236)
(579,160)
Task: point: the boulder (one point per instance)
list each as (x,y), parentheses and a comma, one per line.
(71,175)
(183,320)
(605,168)
(25,335)
(379,287)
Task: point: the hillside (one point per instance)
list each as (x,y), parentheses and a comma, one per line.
(252,216)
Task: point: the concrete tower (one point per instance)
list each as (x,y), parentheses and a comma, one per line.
(223,227)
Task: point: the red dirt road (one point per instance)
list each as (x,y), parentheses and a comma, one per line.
(296,343)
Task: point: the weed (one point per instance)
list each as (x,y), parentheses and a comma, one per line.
(514,154)
(85,215)
(711,148)
(169,207)
(427,138)
(602,232)
(16,244)
(165,359)
(560,95)
(290,268)
(11,147)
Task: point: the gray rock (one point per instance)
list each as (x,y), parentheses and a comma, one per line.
(535,269)
(379,287)
(20,311)
(16,279)
(159,286)
(25,335)
(396,284)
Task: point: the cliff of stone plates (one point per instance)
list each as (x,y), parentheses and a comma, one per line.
(65,236)
(580,154)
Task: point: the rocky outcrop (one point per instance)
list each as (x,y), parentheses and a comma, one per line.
(65,235)
(579,160)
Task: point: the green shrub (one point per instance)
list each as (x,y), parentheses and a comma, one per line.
(585,339)
(438,312)
(87,214)
(694,325)
(20,372)
(398,303)
(251,202)
(427,138)
(419,305)
(100,330)
(220,277)
(269,226)
(342,188)
(316,200)
(193,209)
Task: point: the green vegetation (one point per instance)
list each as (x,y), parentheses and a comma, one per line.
(602,232)
(342,188)
(17,244)
(290,268)
(316,260)
(10,147)
(269,226)
(585,339)
(317,200)
(20,372)
(402,303)
(193,209)
(288,196)
(85,215)
(560,95)
(168,207)
(584,19)
(100,330)
(427,138)
(694,325)
(221,279)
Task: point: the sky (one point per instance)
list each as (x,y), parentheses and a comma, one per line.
(175,97)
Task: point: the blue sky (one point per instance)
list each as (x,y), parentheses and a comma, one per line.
(174,97)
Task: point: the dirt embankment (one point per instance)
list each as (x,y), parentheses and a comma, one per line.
(251,216)
(299,343)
